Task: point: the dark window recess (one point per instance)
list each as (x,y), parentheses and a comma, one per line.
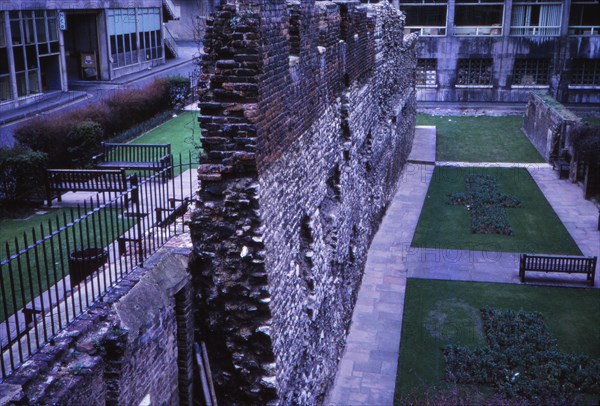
(426,71)
(424,16)
(531,72)
(478,16)
(586,72)
(3,61)
(585,14)
(474,72)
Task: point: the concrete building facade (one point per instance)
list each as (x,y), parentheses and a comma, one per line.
(44,45)
(498,51)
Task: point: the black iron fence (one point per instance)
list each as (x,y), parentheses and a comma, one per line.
(50,275)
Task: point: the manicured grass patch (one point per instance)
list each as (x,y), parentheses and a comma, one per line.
(535,226)
(48,262)
(480,139)
(592,120)
(439,313)
(182,132)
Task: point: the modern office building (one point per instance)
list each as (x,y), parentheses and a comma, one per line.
(44,45)
(490,50)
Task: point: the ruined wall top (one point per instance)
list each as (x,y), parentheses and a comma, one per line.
(270,67)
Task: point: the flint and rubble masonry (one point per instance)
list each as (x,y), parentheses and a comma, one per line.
(307,118)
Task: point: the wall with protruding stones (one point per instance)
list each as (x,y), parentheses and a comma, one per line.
(546,124)
(307,118)
(132,346)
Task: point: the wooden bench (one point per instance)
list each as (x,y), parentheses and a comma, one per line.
(562,264)
(83,180)
(153,157)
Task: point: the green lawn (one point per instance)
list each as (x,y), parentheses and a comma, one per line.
(100,228)
(592,120)
(181,132)
(481,139)
(438,313)
(536,228)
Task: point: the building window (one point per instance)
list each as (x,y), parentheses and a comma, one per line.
(123,36)
(150,33)
(426,72)
(425,17)
(541,17)
(531,72)
(586,72)
(30,38)
(478,17)
(5,92)
(133,31)
(474,72)
(584,18)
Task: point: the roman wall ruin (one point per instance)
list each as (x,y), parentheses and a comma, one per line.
(307,118)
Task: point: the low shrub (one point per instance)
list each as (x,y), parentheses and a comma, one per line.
(179,91)
(67,143)
(69,138)
(522,361)
(486,204)
(83,142)
(22,174)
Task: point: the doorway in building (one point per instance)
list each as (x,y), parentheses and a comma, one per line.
(81,42)
(50,71)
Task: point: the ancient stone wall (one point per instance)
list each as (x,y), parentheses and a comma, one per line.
(307,119)
(133,346)
(546,124)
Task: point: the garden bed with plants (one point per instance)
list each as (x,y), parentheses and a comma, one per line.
(458,214)
(478,343)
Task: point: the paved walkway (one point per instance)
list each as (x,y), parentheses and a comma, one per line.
(367,371)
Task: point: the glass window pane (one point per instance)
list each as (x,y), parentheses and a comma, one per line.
(2,35)
(478,15)
(34,82)
(5,88)
(52,29)
(425,16)
(21,84)
(15,29)
(40,25)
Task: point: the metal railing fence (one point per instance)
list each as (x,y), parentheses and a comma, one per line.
(50,275)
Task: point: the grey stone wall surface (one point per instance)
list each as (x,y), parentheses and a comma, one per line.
(546,124)
(307,118)
(123,350)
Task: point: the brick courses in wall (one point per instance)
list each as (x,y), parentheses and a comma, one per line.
(307,118)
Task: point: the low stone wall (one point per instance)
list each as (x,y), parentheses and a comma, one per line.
(132,347)
(546,124)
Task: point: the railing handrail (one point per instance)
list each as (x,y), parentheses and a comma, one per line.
(37,296)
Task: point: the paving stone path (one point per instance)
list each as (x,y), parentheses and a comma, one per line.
(367,371)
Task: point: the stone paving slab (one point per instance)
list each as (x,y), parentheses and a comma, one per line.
(579,216)
(424,144)
(367,370)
